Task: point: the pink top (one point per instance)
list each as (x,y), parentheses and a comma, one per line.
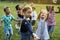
(51,20)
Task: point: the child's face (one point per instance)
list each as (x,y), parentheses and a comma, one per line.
(43,15)
(8,11)
(28,13)
(33,9)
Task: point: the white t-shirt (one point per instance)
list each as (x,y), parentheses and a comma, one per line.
(34,15)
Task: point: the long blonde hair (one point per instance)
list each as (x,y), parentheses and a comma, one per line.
(43,11)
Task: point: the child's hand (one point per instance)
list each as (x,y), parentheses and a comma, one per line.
(35,36)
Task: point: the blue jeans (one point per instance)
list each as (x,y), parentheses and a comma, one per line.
(51,28)
(25,36)
(8,32)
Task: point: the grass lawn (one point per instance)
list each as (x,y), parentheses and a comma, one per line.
(16,36)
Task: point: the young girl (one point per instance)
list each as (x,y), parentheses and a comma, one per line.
(7,19)
(20,16)
(26,27)
(42,31)
(51,20)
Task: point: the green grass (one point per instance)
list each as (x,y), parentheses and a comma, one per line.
(16,36)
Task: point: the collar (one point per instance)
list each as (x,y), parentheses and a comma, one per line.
(7,15)
(26,18)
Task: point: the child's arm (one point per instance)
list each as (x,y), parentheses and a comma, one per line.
(17,20)
(28,27)
(35,36)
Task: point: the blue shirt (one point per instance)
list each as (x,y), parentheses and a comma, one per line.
(26,26)
(7,20)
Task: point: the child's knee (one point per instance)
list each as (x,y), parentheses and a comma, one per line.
(7,35)
(11,33)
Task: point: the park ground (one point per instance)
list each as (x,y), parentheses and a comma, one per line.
(16,36)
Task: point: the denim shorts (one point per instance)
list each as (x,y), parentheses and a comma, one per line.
(8,31)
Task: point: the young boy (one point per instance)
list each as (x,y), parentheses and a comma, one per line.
(26,27)
(7,19)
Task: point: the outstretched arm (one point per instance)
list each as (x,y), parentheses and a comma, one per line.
(18,20)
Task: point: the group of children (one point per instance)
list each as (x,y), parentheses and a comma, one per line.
(27,17)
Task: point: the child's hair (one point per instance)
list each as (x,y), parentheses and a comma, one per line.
(5,9)
(48,8)
(17,7)
(26,8)
(33,7)
(52,8)
(43,11)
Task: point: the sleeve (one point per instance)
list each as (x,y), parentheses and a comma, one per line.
(12,18)
(29,27)
(2,19)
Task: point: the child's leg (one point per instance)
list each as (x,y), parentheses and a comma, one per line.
(49,27)
(51,31)
(7,33)
(10,32)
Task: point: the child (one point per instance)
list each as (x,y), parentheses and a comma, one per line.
(30,18)
(34,15)
(26,30)
(7,19)
(51,20)
(20,16)
(42,31)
